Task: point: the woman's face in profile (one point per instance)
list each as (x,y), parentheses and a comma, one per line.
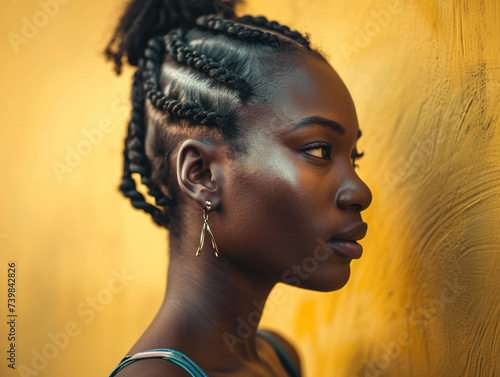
(292,201)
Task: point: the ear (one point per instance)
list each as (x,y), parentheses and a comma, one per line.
(199,173)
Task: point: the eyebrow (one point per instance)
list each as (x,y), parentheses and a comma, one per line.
(313,121)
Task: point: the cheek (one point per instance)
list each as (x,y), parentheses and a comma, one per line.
(269,218)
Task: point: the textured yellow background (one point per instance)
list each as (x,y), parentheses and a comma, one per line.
(423,300)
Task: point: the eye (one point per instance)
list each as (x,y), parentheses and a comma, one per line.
(355,156)
(318,150)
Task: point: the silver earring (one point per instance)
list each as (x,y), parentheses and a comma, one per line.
(206,228)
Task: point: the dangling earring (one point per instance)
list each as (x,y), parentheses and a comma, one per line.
(206,228)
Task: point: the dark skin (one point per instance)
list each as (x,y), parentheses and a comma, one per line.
(294,184)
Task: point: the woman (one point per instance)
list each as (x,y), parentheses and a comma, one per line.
(241,131)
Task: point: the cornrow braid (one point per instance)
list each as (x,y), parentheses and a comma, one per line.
(233,29)
(135,161)
(189,110)
(275,26)
(183,54)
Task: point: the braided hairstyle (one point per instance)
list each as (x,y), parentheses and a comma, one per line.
(198,67)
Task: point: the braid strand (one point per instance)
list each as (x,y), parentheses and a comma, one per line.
(135,161)
(183,54)
(236,30)
(275,26)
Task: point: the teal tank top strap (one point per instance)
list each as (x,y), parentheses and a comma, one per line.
(170,355)
(284,356)
(194,370)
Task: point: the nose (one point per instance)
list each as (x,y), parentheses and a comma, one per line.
(354,194)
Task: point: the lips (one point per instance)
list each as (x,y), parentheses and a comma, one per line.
(346,249)
(345,245)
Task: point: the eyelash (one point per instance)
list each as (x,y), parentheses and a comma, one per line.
(355,156)
(327,149)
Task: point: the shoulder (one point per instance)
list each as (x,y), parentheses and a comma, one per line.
(287,346)
(153,368)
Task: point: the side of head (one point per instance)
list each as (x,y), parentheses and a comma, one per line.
(198,76)
(216,104)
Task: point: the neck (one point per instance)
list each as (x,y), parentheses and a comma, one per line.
(212,303)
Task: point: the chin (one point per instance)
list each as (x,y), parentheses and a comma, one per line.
(331,285)
(324,281)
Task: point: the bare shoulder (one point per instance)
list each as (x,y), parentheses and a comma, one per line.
(289,348)
(153,368)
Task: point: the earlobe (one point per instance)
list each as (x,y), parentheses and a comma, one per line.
(198,171)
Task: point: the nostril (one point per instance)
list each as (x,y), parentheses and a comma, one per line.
(356,207)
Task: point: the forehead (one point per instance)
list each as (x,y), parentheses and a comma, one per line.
(310,88)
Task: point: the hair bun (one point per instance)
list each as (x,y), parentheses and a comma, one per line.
(143,19)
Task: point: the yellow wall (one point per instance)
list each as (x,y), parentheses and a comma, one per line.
(423,299)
